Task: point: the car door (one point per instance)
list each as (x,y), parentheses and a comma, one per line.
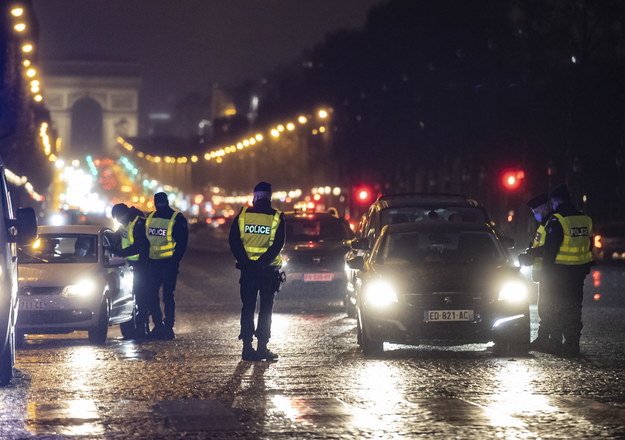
(119,274)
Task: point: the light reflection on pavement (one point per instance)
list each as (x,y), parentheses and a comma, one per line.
(322,387)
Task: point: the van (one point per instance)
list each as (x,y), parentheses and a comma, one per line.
(14,230)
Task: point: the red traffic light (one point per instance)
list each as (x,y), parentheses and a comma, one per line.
(511,180)
(363,195)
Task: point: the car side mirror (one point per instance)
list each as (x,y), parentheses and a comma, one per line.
(508,242)
(115,261)
(26,224)
(356,263)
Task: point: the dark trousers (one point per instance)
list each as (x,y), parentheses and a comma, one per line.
(254,284)
(162,273)
(140,290)
(547,309)
(566,286)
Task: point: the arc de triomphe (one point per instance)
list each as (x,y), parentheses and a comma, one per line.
(106,93)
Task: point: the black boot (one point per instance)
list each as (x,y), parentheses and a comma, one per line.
(264,353)
(249,354)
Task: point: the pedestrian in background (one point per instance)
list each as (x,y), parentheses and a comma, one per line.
(257,236)
(134,247)
(168,235)
(533,256)
(566,262)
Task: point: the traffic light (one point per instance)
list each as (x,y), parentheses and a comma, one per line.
(363,195)
(511,180)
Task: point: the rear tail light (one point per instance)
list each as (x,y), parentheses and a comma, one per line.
(598,241)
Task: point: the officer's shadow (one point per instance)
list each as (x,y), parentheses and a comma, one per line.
(245,390)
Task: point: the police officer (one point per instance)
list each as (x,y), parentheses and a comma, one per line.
(533,257)
(134,247)
(256,238)
(566,262)
(168,235)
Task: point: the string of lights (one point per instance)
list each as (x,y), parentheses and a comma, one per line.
(218,153)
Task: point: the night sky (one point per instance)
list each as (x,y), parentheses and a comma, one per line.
(187,45)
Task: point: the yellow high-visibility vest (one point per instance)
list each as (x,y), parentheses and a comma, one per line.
(539,240)
(575,247)
(258,232)
(128,238)
(159,232)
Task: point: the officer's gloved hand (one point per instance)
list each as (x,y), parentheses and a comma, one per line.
(526,259)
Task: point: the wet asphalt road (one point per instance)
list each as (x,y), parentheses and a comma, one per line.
(197,387)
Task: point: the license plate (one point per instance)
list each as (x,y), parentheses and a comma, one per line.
(318,277)
(448,315)
(34,304)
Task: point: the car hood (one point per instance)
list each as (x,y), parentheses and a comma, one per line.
(314,247)
(446,278)
(40,275)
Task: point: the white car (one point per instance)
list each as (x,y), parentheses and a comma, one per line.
(69,281)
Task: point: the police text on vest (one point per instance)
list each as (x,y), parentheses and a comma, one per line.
(257,229)
(158,232)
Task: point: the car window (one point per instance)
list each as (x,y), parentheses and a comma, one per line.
(60,248)
(415,214)
(442,248)
(317,229)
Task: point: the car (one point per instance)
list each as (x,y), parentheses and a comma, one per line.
(609,242)
(440,283)
(408,208)
(313,257)
(14,229)
(70,281)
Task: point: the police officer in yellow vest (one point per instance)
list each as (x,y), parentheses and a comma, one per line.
(134,247)
(256,239)
(547,309)
(168,234)
(566,262)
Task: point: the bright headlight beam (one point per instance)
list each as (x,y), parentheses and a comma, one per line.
(82,288)
(513,291)
(380,294)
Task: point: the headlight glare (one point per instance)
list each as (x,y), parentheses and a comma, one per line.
(380,294)
(513,291)
(82,288)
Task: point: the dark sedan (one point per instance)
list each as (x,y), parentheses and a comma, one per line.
(314,254)
(440,284)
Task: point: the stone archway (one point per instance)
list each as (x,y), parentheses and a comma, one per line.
(113,87)
(86,126)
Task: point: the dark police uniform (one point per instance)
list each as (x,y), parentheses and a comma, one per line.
(257,236)
(533,256)
(168,235)
(135,248)
(566,262)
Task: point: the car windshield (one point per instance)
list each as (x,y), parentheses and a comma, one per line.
(60,248)
(467,247)
(316,229)
(415,214)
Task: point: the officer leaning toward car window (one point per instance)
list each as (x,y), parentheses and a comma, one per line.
(134,247)
(547,308)
(566,262)
(168,234)
(257,236)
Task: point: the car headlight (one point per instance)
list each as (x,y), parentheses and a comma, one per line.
(380,294)
(82,288)
(513,291)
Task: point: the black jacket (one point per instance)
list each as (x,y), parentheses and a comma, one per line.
(261,206)
(180,233)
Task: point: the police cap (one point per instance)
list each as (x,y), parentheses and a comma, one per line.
(262,187)
(561,191)
(538,200)
(120,210)
(160,199)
